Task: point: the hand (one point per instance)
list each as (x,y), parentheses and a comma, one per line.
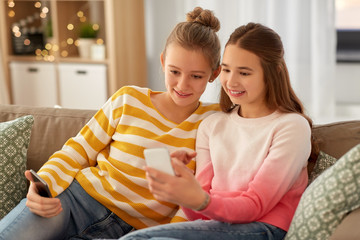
(42,206)
(182,189)
(183,156)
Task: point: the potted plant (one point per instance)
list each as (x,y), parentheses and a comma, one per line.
(87,37)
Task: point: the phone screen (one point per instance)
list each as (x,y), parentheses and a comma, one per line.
(159,158)
(40,184)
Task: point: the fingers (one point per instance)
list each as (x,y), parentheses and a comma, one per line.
(183,156)
(181,169)
(28,176)
(45,207)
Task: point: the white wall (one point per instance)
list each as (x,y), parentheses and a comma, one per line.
(347,83)
(158,27)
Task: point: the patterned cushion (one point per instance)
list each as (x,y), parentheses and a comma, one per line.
(14,141)
(328,199)
(323,162)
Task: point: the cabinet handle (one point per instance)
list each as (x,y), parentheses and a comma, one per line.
(81,72)
(31,69)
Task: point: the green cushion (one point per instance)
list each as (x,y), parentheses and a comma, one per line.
(323,162)
(14,142)
(331,196)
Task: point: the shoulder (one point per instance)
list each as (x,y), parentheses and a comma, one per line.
(293,119)
(214,119)
(203,111)
(130,90)
(206,107)
(293,123)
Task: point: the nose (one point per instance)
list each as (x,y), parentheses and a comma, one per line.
(232,80)
(183,83)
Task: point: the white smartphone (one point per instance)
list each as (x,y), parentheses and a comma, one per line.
(159,158)
(41,185)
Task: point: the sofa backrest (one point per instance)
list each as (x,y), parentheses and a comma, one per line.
(52,128)
(337,138)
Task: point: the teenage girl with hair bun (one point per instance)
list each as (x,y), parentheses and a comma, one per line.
(97,179)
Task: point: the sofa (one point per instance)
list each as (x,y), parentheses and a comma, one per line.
(53,126)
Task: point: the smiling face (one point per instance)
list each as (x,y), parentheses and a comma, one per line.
(242,78)
(186,75)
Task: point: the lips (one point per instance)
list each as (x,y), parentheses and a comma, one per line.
(182,94)
(236,93)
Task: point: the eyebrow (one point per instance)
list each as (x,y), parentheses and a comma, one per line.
(195,71)
(240,68)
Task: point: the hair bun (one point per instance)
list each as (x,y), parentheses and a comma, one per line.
(204,17)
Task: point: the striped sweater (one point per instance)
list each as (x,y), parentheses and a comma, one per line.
(106,156)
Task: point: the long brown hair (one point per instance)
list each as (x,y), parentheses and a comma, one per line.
(267,45)
(198,33)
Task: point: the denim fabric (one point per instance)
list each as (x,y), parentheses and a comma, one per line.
(82,218)
(208,230)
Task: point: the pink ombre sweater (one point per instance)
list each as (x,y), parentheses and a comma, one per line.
(253,168)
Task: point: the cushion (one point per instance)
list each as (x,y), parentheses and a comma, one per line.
(323,162)
(14,142)
(331,196)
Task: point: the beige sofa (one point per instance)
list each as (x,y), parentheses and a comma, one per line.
(53,126)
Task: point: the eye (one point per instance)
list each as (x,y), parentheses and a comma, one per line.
(225,70)
(197,76)
(175,72)
(244,73)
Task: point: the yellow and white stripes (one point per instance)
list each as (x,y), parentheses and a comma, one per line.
(106,157)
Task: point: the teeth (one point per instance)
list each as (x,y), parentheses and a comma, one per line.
(236,92)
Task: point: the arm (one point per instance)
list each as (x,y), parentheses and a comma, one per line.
(80,151)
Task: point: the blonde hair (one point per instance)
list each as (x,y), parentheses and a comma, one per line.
(198,33)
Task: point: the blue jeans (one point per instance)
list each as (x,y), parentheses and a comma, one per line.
(82,218)
(208,230)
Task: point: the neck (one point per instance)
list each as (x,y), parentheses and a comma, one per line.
(254,112)
(170,110)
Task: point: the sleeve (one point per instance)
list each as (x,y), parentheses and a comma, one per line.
(81,151)
(277,176)
(179,216)
(204,169)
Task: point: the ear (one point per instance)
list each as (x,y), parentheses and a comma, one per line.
(215,74)
(162,61)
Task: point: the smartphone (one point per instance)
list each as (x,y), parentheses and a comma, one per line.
(159,158)
(41,185)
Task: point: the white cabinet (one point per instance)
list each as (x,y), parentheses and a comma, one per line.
(82,86)
(33,83)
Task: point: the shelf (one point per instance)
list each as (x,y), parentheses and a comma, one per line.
(120,42)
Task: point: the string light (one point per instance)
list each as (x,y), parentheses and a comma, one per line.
(27,42)
(37,4)
(20,29)
(11,3)
(11,13)
(70,41)
(70,27)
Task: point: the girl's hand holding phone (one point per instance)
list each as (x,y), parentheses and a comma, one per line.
(182,189)
(42,206)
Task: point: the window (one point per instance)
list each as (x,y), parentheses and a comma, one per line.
(348,30)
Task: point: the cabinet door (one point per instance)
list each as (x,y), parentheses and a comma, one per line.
(82,86)
(33,84)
